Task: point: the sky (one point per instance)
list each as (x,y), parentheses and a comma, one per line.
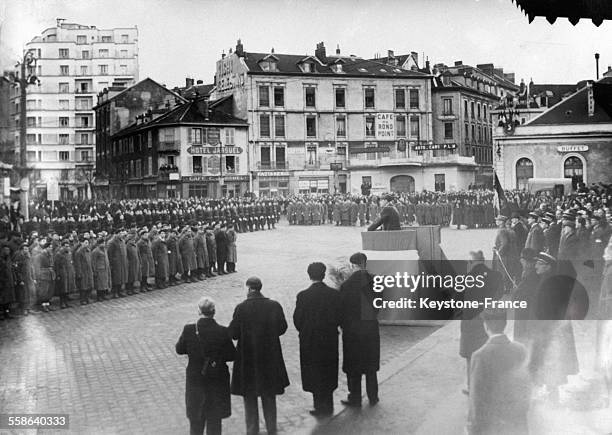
(185,38)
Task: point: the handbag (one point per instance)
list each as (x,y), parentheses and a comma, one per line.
(211,369)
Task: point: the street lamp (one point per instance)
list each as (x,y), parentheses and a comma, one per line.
(25,78)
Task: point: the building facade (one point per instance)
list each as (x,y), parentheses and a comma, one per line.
(572,139)
(463,100)
(195,149)
(119,107)
(73,63)
(330,123)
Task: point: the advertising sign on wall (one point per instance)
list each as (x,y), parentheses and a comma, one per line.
(385,126)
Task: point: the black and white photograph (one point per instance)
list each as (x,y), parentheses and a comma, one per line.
(351,217)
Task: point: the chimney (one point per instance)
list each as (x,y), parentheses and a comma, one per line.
(239,49)
(338,50)
(272,50)
(609,72)
(458,63)
(200,82)
(427,65)
(320,52)
(590,98)
(188,82)
(597,66)
(390,54)
(223,55)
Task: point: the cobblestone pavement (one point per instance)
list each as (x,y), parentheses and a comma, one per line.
(112,365)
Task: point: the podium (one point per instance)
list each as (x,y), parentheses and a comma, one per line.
(412,250)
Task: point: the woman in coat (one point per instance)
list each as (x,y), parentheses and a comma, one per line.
(207,397)
(100,267)
(232,255)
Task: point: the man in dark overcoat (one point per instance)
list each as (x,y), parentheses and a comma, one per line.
(201,252)
(317,317)
(505,254)
(117,257)
(211,245)
(526,290)
(147,265)
(389,217)
(159,250)
(7,289)
(133,270)
(259,369)
(175,259)
(221,242)
(83,271)
(473,334)
(360,334)
(101,270)
(207,399)
(188,255)
(535,237)
(64,271)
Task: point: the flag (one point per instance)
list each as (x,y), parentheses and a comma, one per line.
(499,198)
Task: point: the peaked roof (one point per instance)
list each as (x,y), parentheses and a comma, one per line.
(553,92)
(189,113)
(574,109)
(140,83)
(353,66)
(201,90)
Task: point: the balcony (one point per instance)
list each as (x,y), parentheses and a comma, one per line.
(88,161)
(273,165)
(171,147)
(168,172)
(312,165)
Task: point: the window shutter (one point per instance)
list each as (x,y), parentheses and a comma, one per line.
(189,136)
(237,164)
(191,164)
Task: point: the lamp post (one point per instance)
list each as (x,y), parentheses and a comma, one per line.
(25,78)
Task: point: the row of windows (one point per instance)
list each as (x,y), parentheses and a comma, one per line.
(573,168)
(403,97)
(265,129)
(62,156)
(64,53)
(61,139)
(62,121)
(480,134)
(84,70)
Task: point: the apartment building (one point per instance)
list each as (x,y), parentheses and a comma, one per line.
(73,63)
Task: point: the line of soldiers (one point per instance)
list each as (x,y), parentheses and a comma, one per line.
(110,265)
(66,217)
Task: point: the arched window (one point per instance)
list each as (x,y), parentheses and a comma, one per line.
(524,171)
(574,169)
(402,183)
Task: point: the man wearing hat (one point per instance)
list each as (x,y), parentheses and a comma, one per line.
(555,232)
(221,242)
(133,262)
(535,237)
(159,251)
(553,349)
(519,230)
(117,257)
(505,255)
(147,265)
(83,269)
(569,243)
(526,291)
(389,216)
(64,270)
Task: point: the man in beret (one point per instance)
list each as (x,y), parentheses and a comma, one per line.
(389,216)
(505,255)
(526,291)
(535,237)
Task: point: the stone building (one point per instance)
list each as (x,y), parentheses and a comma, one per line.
(117,108)
(572,139)
(329,122)
(73,62)
(195,149)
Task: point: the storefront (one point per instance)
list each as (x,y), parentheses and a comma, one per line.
(207,186)
(314,185)
(273,183)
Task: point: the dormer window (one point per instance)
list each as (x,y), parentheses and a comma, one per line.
(337,68)
(269,63)
(308,67)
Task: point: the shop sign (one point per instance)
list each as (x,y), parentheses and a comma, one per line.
(435,146)
(572,148)
(362,150)
(273,174)
(385,126)
(200,178)
(214,150)
(304,184)
(323,184)
(236,178)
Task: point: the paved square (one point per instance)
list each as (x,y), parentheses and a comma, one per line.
(112,365)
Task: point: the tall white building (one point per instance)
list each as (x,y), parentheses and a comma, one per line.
(73,63)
